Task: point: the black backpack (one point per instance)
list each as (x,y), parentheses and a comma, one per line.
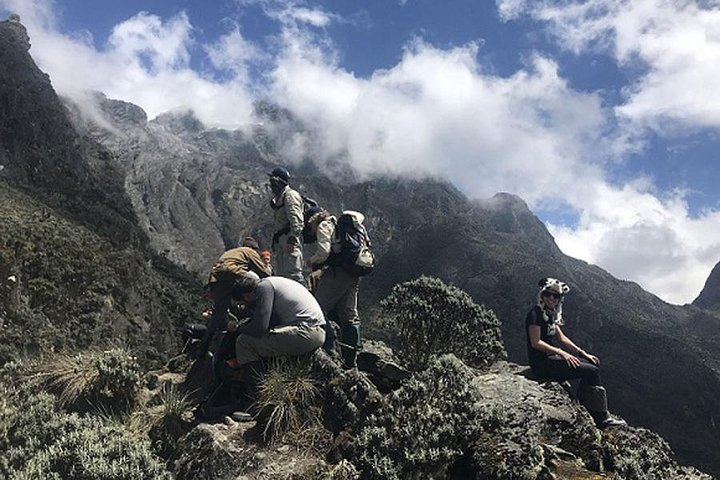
(351,247)
(310,208)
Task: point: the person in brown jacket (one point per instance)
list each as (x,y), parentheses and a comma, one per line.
(223,274)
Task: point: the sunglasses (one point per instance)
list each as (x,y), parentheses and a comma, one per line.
(556,296)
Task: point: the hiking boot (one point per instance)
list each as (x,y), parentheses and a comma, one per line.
(241,417)
(611,422)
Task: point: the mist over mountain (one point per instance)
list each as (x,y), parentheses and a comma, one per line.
(76,268)
(199,190)
(170,189)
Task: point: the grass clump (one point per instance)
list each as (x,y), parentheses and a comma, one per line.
(289,404)
(105,380)
(170,423)
(431,318)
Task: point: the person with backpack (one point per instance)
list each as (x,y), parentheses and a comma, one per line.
(287,243)
(342,256)
(223,274)
(549,352)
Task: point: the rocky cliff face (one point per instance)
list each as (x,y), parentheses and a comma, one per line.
(41,152)
(710,295)
(75,267)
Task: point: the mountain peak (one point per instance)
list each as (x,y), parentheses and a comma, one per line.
(709,297)
(180,121)
(15,32)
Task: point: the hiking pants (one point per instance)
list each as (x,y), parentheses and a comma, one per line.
(288,264)
(288,341)
(336,290)
(555,368)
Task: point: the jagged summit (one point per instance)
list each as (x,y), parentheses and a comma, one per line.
(710,295)
(180,121)
(18,31)
(122,114)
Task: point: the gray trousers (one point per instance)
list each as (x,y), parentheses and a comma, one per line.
(338,290)
(288,264)
(286,341)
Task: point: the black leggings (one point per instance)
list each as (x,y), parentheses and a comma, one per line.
(556,368)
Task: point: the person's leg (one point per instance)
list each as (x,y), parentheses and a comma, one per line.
(555,368)
(349,320)
(328,293)
(289,264)
(281,342)
(591,393)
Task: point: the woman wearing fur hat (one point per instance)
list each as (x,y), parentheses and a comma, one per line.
(549,352)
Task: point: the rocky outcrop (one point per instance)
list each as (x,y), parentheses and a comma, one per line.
(709,297)
(449,421)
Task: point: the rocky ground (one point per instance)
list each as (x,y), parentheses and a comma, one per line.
(449,421)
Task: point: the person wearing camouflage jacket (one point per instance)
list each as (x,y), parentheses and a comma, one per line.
(287,245)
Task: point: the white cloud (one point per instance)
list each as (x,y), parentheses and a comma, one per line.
(146,62)
(436,112)
(636,235)
(675,45)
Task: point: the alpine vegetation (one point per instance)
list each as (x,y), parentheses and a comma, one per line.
(429,318)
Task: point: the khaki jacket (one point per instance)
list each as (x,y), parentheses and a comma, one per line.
(291,212)
(235,262)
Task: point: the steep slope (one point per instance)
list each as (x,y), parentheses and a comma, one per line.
(710,295)
(41,153)
(75,268)
(64,287)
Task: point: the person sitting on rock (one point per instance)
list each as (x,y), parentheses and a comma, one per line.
(286,321)
(543,327)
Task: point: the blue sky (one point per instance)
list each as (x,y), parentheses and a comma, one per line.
(602,115)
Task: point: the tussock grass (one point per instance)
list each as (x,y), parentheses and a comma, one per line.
(168,423)
(289,404)
(101,380)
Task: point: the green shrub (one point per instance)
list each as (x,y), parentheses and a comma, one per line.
(428,317)
(427,426)
(105,380)
(39,440)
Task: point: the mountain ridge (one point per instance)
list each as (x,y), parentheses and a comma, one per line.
(195,193)
(495,249)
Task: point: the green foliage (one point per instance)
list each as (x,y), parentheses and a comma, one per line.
(428,317)
(39,440)
(75,289)
(427,426)
(105,380)
(289,404)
